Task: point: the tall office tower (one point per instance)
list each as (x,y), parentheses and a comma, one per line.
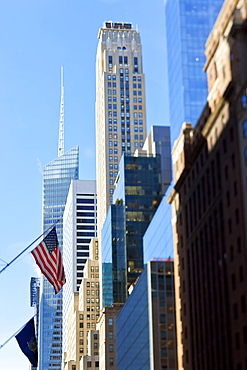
(146,325)
(187,27)
(209,204)
(79,227)
(136,198)
(57,176)
(120,105)
(188,24)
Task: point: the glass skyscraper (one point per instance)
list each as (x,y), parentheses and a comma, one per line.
(57,176)
(188,24)
(136,198)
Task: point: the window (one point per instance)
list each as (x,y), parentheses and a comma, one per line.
(134,86)
(245,128)
(111,361)
(89,364)
(110,321)
(120,60)
(140,107)
(111,335)
(110,166)
(139,78)
(81,350)
(81,325)
(139,86)
(81,342)
(111,348)
(109,77)
(244,101)
(109,84)
(81,333)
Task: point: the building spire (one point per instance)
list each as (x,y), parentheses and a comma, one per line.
(61,120)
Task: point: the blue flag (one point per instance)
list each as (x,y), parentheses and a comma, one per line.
(27,342)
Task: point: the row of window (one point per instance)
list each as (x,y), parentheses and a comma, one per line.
(121,71)
(111,151)
(135,92)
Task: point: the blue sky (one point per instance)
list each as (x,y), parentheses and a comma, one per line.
(37,37)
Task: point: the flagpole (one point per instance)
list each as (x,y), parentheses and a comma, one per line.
(8,264)
(12,336)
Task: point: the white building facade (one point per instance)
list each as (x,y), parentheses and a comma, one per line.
(120,105)
(79,227)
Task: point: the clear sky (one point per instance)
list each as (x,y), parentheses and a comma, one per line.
(37,37)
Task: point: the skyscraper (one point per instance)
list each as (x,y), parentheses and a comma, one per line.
(146,325)
(188,24)
(79,227)
(57,176)
(137,196)
(120,105)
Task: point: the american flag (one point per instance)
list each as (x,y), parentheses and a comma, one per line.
(49,259)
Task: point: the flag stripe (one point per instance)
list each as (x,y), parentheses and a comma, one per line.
(50,264)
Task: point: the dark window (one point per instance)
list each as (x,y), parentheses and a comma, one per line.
(85,227)
(85,214)
(82,254)
(86,201)
(83,241)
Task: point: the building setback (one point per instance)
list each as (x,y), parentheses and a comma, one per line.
(209,203)
(120,105)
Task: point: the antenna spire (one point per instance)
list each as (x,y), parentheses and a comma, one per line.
(61,120)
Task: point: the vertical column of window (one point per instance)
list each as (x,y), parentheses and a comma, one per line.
(127,108)
(122,101)
(110,62)
(135,65)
